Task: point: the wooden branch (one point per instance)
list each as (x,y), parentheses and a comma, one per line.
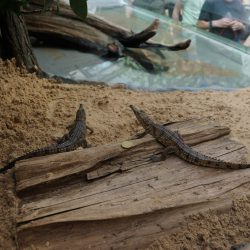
(135,40)
(180,46)
(99,23)
(124,36)
(176,47)
(95,35)
(64,32)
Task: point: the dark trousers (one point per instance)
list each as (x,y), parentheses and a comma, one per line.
(170,8)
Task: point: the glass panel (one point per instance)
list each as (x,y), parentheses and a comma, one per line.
(210,62)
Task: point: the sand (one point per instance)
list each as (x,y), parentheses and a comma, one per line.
(211,230)
(35,112)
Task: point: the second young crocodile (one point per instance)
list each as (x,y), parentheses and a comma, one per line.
(76,137)
(175,144)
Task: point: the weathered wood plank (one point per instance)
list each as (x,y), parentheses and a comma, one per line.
(40,170)
(221,150)
(143,198)
(141,187)
(125,233)
(135,232)
(163,186)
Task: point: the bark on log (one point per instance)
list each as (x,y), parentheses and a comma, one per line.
(97,22)
(135,40)
(63,32)
(125,36)
(66,29)
(136,198)
(16,41)
(28,177)
(96,35)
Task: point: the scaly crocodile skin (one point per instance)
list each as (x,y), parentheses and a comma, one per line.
(174,144)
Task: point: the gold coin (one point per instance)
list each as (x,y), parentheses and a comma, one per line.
(127,144)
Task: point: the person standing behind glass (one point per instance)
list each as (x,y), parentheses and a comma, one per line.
(227,18)
(169,5)
(189,9)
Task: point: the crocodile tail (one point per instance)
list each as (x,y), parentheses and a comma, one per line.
(22,157)
(35,153)
(7,167)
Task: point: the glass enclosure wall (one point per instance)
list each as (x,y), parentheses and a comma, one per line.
(212,61)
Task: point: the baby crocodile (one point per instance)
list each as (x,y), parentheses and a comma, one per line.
(175,144)
(73,139)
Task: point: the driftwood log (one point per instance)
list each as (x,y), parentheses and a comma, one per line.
(111,197)
(94,35)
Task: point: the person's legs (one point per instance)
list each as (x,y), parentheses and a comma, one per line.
(170,7)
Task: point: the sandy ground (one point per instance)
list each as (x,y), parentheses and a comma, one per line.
(211,230)
(35,112)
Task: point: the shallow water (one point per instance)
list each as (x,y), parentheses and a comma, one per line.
(206,64)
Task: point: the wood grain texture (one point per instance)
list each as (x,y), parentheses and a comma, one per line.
(129,197)
(53,168)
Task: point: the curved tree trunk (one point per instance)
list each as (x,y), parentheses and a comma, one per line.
(16,42)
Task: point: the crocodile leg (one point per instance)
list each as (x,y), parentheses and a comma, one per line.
(178,135)
(90,129)
(139,135)
(62,139)
(70,127)
(83,143)
(167,137)
(165,153)
(65,137)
